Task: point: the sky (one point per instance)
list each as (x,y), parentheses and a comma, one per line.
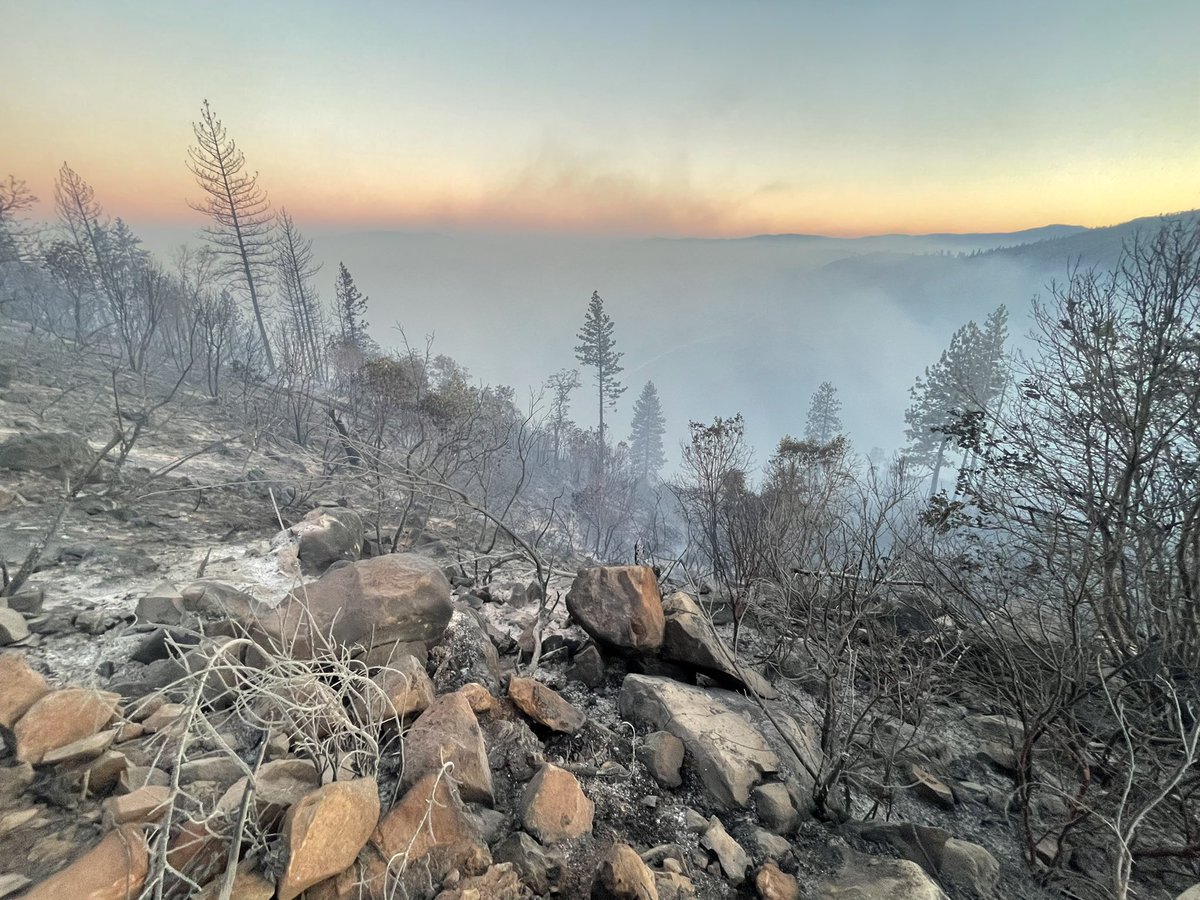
(621,118)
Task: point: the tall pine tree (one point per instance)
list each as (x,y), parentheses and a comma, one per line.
(646,435)
(968,380)
(351,307)
(824,415)
(597,349)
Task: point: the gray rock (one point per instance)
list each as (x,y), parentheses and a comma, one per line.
(27,602)
(587,667)
(538,868)
(689,638)
(775,807)
(734,860)
(162,605)
(328,535)
(12,626)
(865,877)
(662,754)
(729,755)
(61,454)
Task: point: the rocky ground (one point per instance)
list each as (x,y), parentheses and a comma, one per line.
(183,675)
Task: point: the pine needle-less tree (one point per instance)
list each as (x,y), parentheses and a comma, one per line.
(824,415)
(646,435)
(561,384)
(242,224)
(296,271)
(597,350)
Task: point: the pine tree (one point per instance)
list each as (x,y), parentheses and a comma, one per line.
(351,311)
(241,215)
(646,435)
(596,349)
(968,380)
(824,415)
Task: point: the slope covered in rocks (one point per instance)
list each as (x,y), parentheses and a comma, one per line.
(216,682)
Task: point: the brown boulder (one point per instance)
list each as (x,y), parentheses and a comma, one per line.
(689,637)
(544,705)
(422,839)
(449,732)
(499,882)
(146,804)
(619,606)
(622,875)
(404,689)
(22,688)
(554,807)
(383,600)
(773,883)
(60,718)
(115,869)
(325,831)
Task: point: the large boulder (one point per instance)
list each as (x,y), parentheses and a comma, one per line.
(554,807)
(327,535)
(22,688)
(53,454)
(621,875)
(399,597)
(728,753)
(968,868)
(61,718)
(865,877)
(432,833)
(115,869)
(325,831)
(449,732)
(619,606)
(689,637)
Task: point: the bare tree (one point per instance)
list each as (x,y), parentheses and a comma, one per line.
(296,268)
(242,223)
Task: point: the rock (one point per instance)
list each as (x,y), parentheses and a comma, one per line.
(538,868)
(621,875)
(466,654)
(662,755)
(327,535)
(728,754)
(431,828)
(105,771)
(449,732)
(219,602)
(133,777)
(969,869)
(23,687)
(499,882)
(865,877)
(27,602)
(768,845)
(674,886)
(220,769)
(404,691)
(52,454)
(12,626)
(619,606)
(82,750)
(479,697)
(554,808)
(382,656)
(97,621)
(277,786)
(775,807)
(164,715)
(146,804)
(13,884)
(60,718)
(399,597)
(15,780)
(930,788)
(730,854)
(588,667)
(162,605)
(772,883)
(325,831)
(247,885)
(688,637)
(1192,893)
(545,706)
(115,869)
